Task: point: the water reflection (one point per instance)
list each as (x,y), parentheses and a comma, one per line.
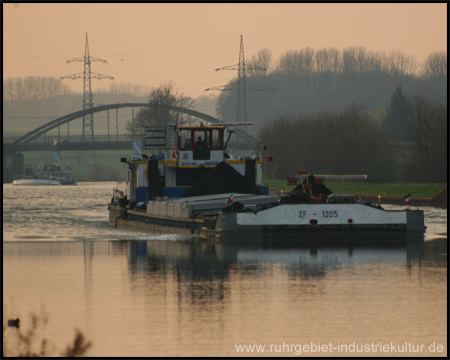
(194,263)
(172,298)
(311,255)
(202,267)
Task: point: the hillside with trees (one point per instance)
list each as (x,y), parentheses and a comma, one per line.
(309,81)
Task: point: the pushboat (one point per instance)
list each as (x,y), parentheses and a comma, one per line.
(204,188)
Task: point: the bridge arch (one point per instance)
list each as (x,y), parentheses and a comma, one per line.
(31,135)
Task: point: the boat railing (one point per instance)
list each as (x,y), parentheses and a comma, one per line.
(320,179)
(344,178)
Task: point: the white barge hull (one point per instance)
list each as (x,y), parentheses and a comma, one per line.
(355,215)
(33,182)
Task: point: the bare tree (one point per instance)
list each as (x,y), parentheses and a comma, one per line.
(435,65)
(160,112)
(262,60)
(349,60)
(399,63)
(427,128)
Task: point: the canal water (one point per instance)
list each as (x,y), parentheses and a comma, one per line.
(291,294)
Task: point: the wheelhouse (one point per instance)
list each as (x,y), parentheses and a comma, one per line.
(200,145)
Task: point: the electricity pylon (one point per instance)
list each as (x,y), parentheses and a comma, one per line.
(241,85)
(87,75)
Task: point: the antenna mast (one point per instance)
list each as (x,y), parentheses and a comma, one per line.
(88,120)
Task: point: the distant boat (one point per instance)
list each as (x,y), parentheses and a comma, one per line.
(48,175)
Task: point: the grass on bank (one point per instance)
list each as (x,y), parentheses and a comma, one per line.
(416,190)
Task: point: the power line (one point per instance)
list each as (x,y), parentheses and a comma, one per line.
(170,49)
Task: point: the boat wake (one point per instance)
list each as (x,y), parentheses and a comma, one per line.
(167,237)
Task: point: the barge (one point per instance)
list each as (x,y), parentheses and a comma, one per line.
(204,190)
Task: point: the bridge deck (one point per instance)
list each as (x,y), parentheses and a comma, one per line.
(77,143)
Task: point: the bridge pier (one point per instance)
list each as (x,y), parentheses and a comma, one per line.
(12,166)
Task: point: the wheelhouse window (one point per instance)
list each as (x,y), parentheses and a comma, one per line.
(201,138)
(217,139)
(202,146)
(184,138)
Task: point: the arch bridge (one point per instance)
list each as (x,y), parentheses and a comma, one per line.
(28,142)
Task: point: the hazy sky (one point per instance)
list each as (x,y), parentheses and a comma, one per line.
(148,44)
